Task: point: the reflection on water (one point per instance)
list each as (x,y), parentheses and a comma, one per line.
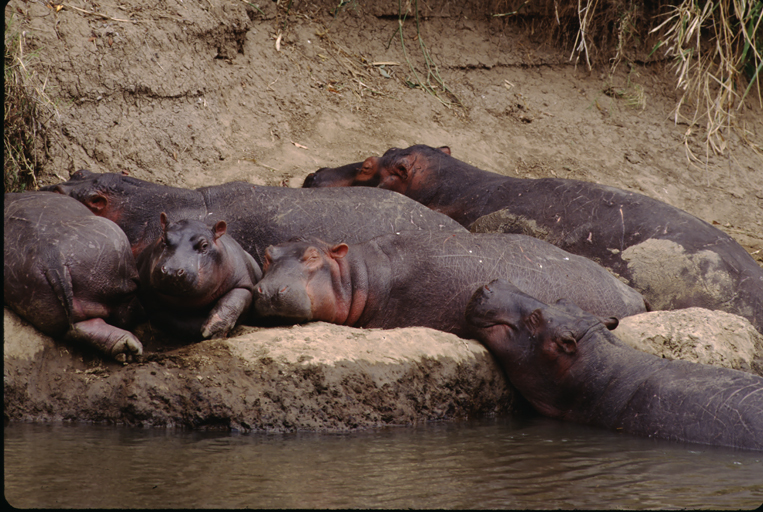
(502,463)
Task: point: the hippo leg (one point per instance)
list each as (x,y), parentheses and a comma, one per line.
(120,344)
(224,315)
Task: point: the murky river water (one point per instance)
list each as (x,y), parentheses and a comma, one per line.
(503,463)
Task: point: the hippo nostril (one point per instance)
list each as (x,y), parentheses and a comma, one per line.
(164,269)
(180,272)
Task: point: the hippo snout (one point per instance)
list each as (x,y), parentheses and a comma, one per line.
(177,272)
(172,280)
(282,300)
(310,179)
(58,189)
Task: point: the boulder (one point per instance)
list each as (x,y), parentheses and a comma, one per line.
(318,377)
(698,335)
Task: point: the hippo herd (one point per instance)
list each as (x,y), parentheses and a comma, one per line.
(548,267)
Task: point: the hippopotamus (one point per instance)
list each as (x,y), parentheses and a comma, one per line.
(419,278)
(70,274)
(256,216)
(568,365)
(359,173)
(673,258)
(196,280)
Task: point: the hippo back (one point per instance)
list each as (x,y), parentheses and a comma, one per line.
(264,216)
(62,264)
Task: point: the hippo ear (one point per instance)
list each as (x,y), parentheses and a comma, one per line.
(567,343)
(339,251)
(163,221)
(534,322)
(445,149)
(369,167)
(96,202)
(220,228)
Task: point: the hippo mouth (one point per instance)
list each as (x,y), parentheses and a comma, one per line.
(481,311)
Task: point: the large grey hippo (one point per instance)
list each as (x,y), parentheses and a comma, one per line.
(568,365)
(419,278)
(256,216)
(673,258)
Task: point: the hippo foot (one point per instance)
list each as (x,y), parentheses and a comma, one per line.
(115,342)
(216,327)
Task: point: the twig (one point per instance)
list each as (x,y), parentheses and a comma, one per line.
(68,6)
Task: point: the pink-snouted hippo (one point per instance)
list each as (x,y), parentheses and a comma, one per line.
(418,278)
(673,258)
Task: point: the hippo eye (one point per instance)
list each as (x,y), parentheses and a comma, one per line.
(203,246)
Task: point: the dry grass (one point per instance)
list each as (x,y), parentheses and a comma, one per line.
(27,110)
(715,47)
(713,44)
(438,89)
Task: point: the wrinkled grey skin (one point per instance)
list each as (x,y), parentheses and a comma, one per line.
(673,258)
(69,273)
(567,364)
(195,280)
(257,216)
(425,279)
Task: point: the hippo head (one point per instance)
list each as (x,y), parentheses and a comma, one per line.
(299,281)
(100,192)
(356,174)
(187,262)
(404,170)
(535,343)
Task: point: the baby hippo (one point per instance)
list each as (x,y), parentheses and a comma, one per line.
(567,364)
(196,281)
(420,278)
(69,273)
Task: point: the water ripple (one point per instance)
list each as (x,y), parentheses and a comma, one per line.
(506,463)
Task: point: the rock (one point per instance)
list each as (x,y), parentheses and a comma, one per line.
(698,335)
(318,376)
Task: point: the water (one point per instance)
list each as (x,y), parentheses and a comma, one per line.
(502,463)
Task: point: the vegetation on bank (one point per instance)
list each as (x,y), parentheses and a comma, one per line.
(27,110)
(716,48)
